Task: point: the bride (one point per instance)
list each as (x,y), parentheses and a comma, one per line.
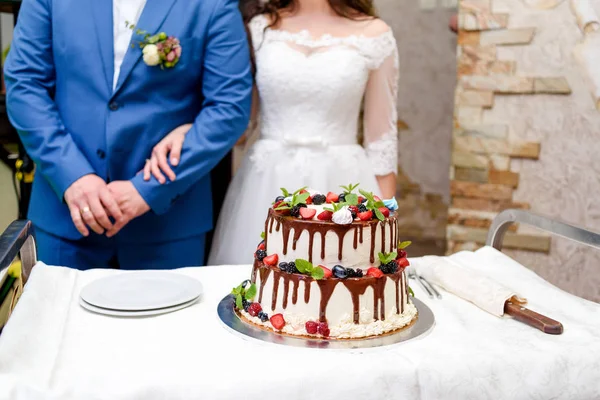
(318,63)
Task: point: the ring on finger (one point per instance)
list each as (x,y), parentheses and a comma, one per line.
(85,210)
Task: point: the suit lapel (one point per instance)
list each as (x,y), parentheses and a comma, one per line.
(154,14)
(103,20)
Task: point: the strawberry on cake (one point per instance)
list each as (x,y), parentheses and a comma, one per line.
(330,266)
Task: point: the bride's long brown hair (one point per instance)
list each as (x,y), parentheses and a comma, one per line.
(351,9)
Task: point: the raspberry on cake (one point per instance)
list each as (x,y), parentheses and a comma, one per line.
(330,267)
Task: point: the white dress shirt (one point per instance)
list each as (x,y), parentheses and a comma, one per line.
(123,11)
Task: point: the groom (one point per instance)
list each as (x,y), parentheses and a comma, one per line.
(90,104)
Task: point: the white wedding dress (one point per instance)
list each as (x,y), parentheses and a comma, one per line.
(311,91)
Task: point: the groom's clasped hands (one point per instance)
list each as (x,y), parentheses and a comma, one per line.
(92,202)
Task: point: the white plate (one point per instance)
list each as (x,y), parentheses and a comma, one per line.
(141,291)
(145,313)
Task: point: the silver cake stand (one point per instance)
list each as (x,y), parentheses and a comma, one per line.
(423,325)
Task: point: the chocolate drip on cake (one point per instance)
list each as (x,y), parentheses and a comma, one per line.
(276,276)
(372,257)
(306,291)
(356,286)
(383,236)
(397,278)
(295,291)
(271,225)
(313,227)
(286,291)
(327,286)
(391,236)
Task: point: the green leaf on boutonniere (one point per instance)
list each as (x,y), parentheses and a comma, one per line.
(303,266)
(351,199)
(317,273)
(238,302)
(378,214)
(403,245)
(250,292)
(386,258)
(350,188)
(410,291)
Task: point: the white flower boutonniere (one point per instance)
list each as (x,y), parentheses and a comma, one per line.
(158,49)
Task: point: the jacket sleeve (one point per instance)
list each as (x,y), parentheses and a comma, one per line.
(227,92)
(29,74)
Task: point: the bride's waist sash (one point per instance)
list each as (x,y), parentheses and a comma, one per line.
(310,141)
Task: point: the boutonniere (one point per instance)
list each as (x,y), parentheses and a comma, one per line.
(158,49)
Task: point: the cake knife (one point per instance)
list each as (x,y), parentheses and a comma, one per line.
(533,319)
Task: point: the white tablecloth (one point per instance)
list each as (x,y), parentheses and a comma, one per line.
(53,349)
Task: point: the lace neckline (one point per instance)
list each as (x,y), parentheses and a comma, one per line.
(305,38)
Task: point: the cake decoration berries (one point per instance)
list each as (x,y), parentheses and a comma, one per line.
(308,213)
(296,209)
(326,271)
(278,321)
(374,272)
(325,215)
(388,262)
(332,198)
(311,327)
(362,208)
(385,211)
(260,254)
(254,309)
(319,199)
(365,216)
(271,260)
(323,329)
(339,272)
(264,317)
(261,245)
(402,262)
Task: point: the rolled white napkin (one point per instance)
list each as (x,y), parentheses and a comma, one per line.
(467,284)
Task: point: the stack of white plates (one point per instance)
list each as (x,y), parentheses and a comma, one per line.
(140,293)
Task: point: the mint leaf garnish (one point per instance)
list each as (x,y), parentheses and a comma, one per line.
(378,214)
(283,207)
(403,245)
(350,188)
(387,257)
(411,292)
(300,198)
(238,302)
(304,266)
(285,192)
(262,235)
(237,290)
(352,199)
(317,273)
(251,292)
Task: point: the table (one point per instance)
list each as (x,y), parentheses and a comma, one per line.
(53,349)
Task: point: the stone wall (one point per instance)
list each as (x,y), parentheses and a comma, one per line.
(525,134)
(427,49)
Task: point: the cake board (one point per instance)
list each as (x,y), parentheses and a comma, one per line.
(424,323)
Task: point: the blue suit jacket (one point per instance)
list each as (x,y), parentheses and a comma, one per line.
(60,98)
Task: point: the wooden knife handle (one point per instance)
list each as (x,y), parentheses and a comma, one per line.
(531,318)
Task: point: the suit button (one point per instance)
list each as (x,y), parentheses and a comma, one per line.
(113,106)
(101,153)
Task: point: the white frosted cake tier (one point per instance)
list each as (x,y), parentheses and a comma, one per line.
(355,245)
(353,307)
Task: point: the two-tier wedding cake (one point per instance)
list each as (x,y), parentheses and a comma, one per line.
(329,265)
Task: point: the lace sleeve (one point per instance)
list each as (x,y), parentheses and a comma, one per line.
(380,114)
(257,26)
